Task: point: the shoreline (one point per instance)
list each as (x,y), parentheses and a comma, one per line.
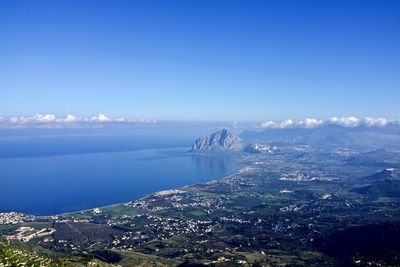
(144,197)
(125,202)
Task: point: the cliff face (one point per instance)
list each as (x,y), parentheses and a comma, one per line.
(221,141)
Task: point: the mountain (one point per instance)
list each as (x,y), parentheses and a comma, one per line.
(386,188)
(386,174)
(385,183)
(220,141)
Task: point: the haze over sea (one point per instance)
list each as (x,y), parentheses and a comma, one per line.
(47,174)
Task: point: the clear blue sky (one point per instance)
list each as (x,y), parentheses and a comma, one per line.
(200,60)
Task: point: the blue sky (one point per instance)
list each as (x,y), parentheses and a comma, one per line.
(200,60)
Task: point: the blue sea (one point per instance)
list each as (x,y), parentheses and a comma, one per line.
(45,175)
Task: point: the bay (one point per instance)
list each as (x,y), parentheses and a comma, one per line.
(56,184)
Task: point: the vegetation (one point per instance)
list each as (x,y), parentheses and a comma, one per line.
(13,255)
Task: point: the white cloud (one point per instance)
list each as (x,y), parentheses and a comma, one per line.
(70,118)
(44,118)
(350,121)
(101,118)
(345,121)
(38,118)
(278,125)
(310,123)
(13,119)
(307,123)
(267,124)
(286,124)
(380,122)
(50,120)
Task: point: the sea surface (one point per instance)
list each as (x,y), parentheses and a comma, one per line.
(53,183)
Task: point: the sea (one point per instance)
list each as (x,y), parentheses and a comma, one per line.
(53,174)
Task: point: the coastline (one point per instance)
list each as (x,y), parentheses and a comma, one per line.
(103,179)
(236,172)
(141,198)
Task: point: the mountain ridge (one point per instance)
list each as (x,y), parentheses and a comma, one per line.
(219,141)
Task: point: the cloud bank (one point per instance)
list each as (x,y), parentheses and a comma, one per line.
(339,121)
(51,121)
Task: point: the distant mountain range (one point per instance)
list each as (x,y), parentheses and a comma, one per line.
(266,141)
(327,135)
